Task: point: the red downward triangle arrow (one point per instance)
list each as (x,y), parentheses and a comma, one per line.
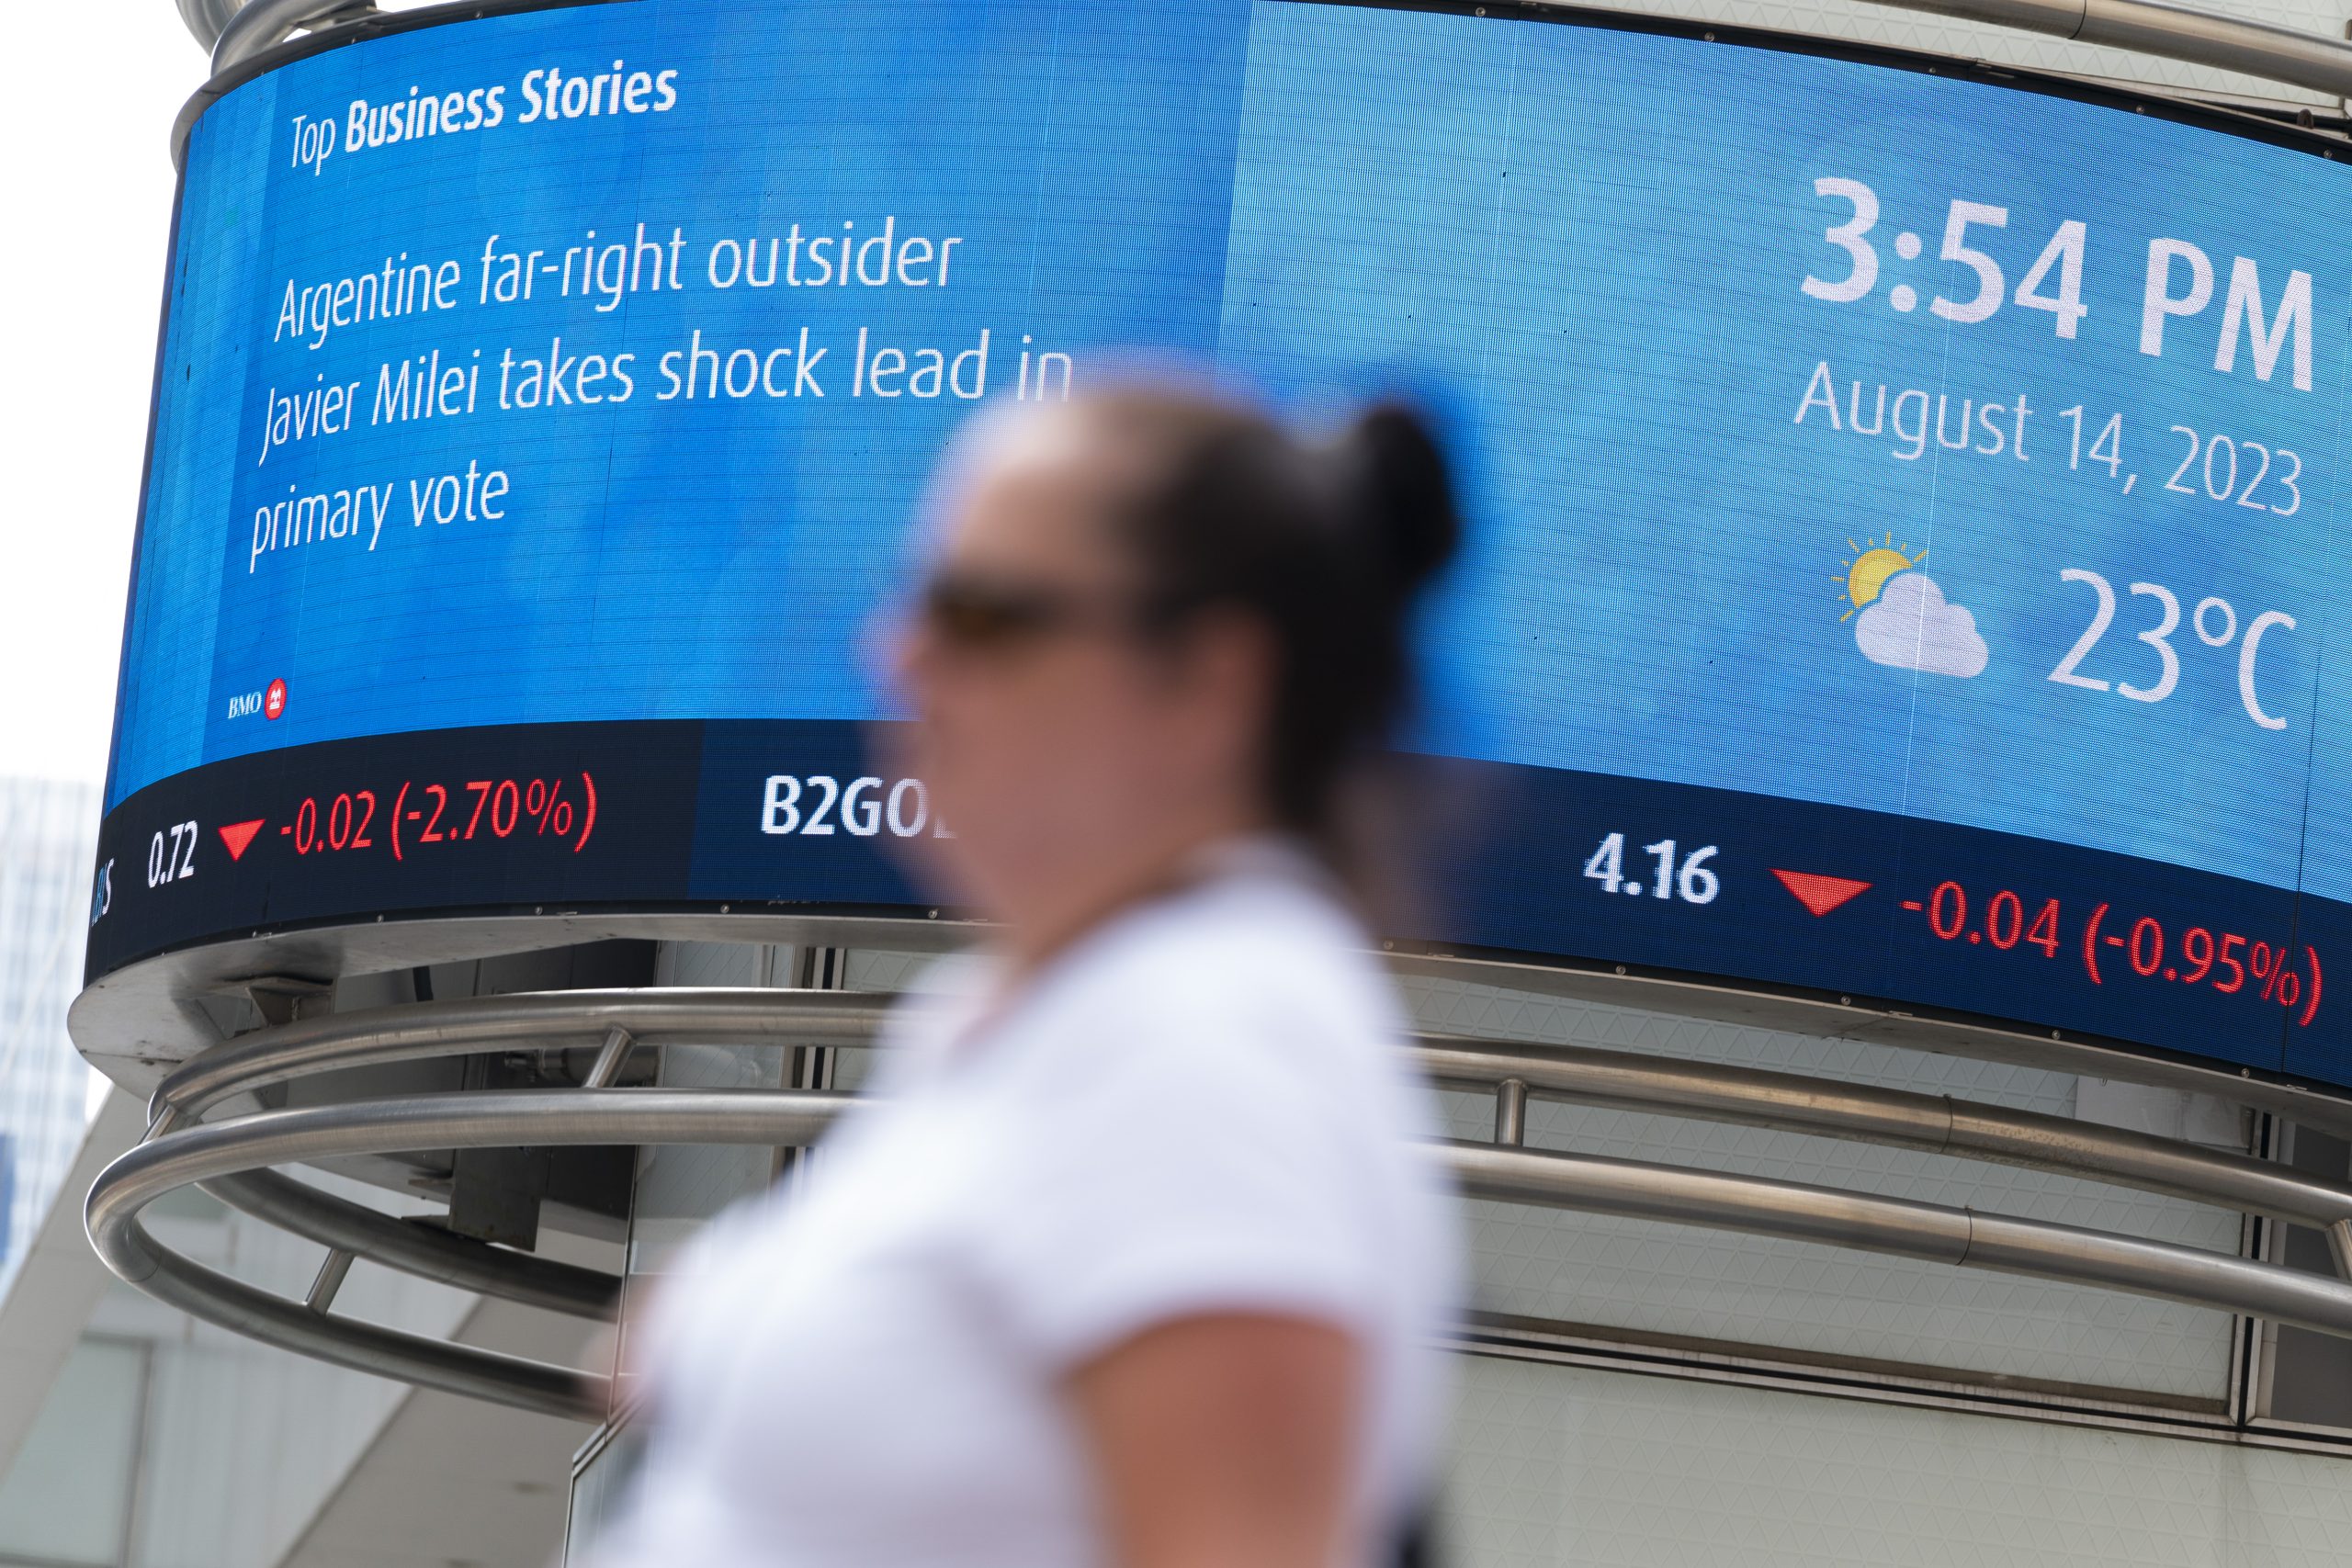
(1818,893)
(238,835)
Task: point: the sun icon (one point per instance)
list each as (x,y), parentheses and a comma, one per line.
(1869,568)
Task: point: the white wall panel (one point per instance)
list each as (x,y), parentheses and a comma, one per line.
(1670,1280)
(69,1501)
(1555,1466)
(245,1442)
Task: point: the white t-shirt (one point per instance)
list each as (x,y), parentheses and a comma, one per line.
(1200,1107)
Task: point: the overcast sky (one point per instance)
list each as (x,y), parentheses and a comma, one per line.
(86,173)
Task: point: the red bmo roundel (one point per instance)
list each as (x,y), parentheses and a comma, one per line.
(272,702)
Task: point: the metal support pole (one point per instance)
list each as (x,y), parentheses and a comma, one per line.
(1510,1112)
(2339,1247)
(611,1058)
(258,26)
(205,18)
(331,1275)
(2175,32)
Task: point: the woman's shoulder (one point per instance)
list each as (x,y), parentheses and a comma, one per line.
(1248,975)
(1288,938)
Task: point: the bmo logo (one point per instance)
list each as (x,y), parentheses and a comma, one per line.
(268,704)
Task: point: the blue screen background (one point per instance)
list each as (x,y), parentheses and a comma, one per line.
(1584,246)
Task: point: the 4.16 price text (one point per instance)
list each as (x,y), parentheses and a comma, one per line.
(1690,878)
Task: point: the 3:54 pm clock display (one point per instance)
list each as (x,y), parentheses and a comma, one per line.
(2054,283)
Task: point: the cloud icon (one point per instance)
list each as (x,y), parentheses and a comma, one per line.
(1913,627)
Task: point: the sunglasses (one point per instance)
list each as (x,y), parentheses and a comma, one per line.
(980,615)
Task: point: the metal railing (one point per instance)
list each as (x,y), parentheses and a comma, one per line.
(229,1154)
(237,34)
(2170,32)
(253,28)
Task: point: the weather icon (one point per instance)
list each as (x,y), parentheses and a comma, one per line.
(1867,573)
(1901,619)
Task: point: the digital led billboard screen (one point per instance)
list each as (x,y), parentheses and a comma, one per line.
(1902,502)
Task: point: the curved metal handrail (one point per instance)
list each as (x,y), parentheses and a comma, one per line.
(1962,1237)
(1864,1113)
(205,18)
(230,1158)
(363,1347)
(258,26)
(1713,1091)
(2172,32)
(1966,1237)
(427,1252)
(538,1020)
(237,35)
(465,1119)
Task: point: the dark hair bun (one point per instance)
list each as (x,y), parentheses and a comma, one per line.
(1328,545)
(1399,491)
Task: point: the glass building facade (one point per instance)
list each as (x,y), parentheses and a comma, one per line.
(48,830)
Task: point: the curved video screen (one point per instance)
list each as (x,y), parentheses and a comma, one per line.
(1901,501)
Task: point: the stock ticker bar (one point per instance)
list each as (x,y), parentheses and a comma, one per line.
(395,825)
(786,815)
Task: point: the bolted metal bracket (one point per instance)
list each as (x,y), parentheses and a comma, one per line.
(281,999)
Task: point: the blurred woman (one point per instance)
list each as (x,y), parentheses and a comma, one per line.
(1130,1260)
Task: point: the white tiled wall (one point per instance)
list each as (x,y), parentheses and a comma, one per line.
(1557,1467)
(234,1445)
(872,970)
(1661,1278)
